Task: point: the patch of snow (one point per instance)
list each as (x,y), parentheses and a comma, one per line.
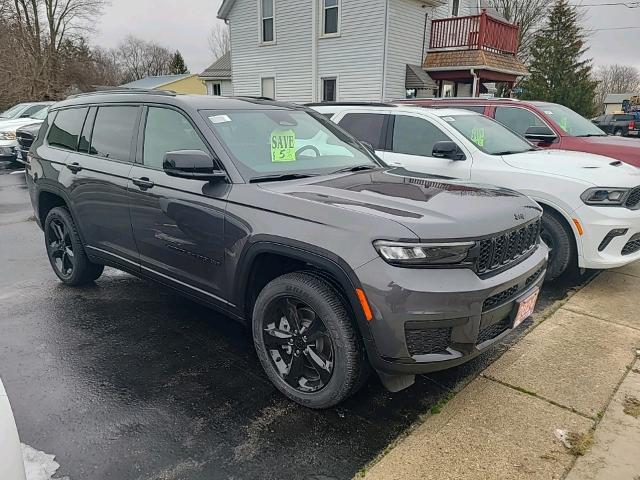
(39,465)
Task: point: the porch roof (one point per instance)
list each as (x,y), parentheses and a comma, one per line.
(457,60)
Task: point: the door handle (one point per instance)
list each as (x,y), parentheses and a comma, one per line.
(74,167)
(143,183)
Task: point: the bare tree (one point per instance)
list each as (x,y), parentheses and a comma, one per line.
(529,15)
(139,59)
(42,28)
(219,40)
(616,79)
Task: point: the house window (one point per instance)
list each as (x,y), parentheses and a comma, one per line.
(330,17)
(267,27)
(455,8)
(329,89)
(269,87)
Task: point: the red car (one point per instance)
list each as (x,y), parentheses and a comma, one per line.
(547,125)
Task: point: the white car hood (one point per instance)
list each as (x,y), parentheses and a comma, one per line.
(13,125)
(595,169)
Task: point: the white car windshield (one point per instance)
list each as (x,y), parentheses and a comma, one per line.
(488,135)
(569,121)
(272,142)
(40,114)
(13,111)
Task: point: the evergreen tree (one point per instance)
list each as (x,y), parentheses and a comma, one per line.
(177,66)
(559,71)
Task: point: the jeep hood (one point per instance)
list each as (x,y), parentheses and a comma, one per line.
(620,148)
(586,167)
(430,207)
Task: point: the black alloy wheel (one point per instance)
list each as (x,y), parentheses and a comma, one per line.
(61,248)
(66,251)
(298,344)
(307,341)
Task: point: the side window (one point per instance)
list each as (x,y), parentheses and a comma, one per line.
(32,110)
(113,132)
(415,136)
(166,131)
(84,145)
(517,119)
(66,128)
(368,127)
(267,24)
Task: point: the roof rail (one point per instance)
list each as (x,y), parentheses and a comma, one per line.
(350,104)
(449,99)
(126,91)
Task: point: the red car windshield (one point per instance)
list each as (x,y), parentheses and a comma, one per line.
(575,125)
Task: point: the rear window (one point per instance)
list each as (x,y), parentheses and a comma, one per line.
(66,128)
(113,132)
(367,127)
(623,118)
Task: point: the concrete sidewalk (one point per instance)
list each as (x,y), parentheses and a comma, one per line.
(562,403)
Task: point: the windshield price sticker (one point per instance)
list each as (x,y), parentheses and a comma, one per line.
(564,124)
(283,146)
(219,119)
(477,136)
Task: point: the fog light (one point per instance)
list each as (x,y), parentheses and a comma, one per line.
(616,232)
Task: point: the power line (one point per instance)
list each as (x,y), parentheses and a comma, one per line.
(628,5)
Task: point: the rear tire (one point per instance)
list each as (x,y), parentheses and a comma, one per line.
(65,250)
(309,305)
(617,132)
(559,238)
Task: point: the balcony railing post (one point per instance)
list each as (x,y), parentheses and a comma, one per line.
(483,29)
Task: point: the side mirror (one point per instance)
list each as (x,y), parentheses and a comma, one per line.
(368,146)
(194,164)
(448,149)
(541,133)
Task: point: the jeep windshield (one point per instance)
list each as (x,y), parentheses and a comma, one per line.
(280,144)
(569,121)
(488,135)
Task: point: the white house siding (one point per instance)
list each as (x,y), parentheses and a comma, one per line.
(356,56)
(288,60)
(405,42)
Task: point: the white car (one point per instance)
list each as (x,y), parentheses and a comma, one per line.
(23,110)
(11,463)
(591,203)
(8,128)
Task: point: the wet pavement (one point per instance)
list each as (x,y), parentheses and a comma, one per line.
(126,380)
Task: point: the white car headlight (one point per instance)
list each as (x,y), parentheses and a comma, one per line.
(417,254)
(7,135)
(604,196)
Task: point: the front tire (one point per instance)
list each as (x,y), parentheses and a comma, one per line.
(306,340)
(65,250)
(618,132)
(559,238)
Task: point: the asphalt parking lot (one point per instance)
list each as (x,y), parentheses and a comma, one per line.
(126,380)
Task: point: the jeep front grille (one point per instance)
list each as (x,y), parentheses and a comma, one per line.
(507,247)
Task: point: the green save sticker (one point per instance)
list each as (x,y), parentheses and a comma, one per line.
(564,124)
(477,136)
(283,146)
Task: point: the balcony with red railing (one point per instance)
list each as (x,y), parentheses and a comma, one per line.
(476,32)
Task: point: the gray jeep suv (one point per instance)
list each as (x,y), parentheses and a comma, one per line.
(277,217)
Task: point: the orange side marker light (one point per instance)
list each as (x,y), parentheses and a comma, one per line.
(578,225)
(364,304)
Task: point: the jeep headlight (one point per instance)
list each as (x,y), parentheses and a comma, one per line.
(416,254)
(604,196)
(7,135)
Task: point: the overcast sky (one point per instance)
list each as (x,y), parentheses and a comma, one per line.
(184,25)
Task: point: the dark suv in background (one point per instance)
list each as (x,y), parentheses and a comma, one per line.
(278,218)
